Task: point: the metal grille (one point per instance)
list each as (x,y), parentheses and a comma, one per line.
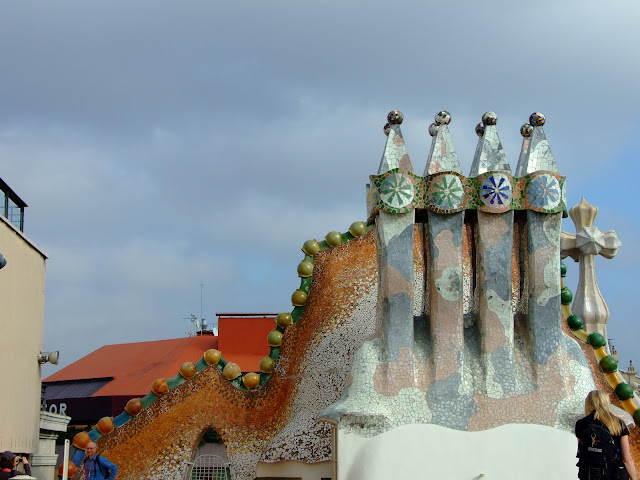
(209,467)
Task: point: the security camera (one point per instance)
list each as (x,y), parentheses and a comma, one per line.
(3,262)
(51,357)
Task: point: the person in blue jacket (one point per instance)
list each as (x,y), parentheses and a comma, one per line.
(96,467)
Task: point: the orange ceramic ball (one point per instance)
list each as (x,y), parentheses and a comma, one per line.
(133,407)
(160,387)
(212,356)
(105,425)
(71,469)
(188,370)
(80,440)
(251,380)
(231,370)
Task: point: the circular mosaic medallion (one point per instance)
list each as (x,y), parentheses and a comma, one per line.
(480,129)
(544,192)
(396,190)
(387,129)
(496,190)
(447,192)
(433,129)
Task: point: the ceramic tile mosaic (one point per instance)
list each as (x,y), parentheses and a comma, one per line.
(535,154)
(489,154)
(395,152)
(479,361)
(448,192)
(447,312)
(278,421)
(442,156)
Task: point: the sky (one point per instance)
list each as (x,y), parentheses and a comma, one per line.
(162,145)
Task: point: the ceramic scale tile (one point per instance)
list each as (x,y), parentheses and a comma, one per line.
(442,156)
(489,154)
(535,153)
(395,152)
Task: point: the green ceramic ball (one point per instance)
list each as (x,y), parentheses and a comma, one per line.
(299,298)
(624,391)
(563,269)
(357,229)
(333,239)
(311,247)
(575,322)
(274,339)
(609,364)
(267,364)
(566,296)
(284,319)
(305,269)
(596,340)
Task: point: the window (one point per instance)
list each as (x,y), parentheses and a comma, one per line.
(11,206)
(14,214)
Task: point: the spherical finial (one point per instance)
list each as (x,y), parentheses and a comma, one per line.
(537,119)
(433,129)
(443,117)
(387,128)
(480,129)
(526,130)
(395,117)
(490,118)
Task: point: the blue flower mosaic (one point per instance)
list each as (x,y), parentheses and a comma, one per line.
(544,191)
(447,192)
(496,190)
(396,190)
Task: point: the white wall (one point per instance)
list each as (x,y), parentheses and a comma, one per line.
(293,469)
(21,324)
(523,452)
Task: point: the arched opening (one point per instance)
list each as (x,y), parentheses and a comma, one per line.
(210,460)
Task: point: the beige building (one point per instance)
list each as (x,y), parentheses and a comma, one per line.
(21,320)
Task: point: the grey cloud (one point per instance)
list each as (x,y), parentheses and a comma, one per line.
(210,140)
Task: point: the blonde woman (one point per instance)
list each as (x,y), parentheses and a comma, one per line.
(597,408)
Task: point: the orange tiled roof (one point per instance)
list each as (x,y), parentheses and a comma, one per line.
(134,366)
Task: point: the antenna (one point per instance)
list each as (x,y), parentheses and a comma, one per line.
(194,320)
(198,323)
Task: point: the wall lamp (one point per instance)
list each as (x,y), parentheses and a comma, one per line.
(51,357)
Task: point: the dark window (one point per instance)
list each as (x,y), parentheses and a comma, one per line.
(11,206)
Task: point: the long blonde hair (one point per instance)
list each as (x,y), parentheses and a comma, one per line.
(598,402)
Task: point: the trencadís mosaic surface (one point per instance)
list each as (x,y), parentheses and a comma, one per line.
(446,309)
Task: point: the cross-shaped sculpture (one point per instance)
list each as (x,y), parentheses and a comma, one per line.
(583,247)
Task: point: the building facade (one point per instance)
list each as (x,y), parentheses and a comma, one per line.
(22,283)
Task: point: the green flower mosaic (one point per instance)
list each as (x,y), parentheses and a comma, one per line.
(448,192)
(396,191)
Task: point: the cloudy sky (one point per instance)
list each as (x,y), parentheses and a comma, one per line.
(163,144)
